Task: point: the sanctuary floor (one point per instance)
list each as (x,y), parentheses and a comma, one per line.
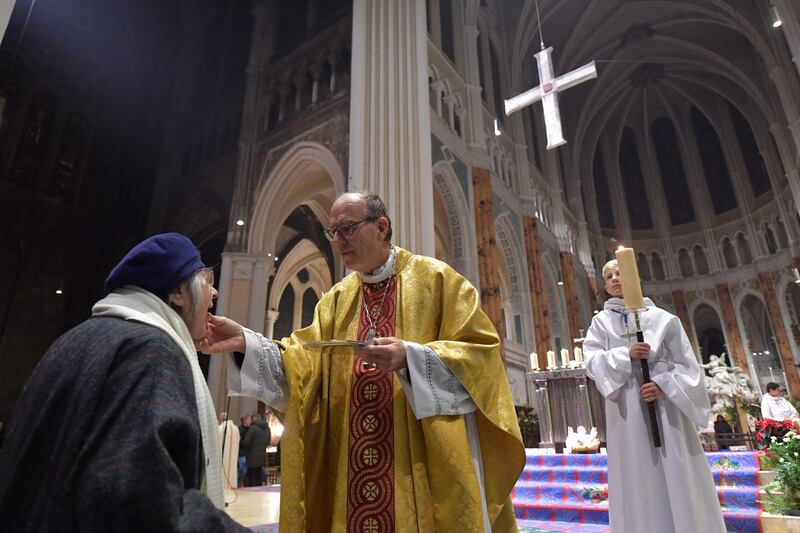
(254,506)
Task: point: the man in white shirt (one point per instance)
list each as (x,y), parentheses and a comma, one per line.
(776,407)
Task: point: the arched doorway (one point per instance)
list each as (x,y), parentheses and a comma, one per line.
(710,336)
(760,342)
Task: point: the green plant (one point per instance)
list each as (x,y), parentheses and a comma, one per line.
(783,495)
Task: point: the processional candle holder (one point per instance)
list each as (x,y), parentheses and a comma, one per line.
(634,304)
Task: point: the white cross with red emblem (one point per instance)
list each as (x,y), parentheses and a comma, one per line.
(548,91)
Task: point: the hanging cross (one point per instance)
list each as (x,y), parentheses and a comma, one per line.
(548,91)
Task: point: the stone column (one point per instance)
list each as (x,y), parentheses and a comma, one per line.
(6,7)
(262,270)
(591,286)
(216,369)
(269,326)
(538,295)
(570,298)
(781,338)
(390,132)
(679,299)
(791,28)
(487,249)
(734,340)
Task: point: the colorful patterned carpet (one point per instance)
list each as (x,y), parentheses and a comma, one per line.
(558,493)
(569,493)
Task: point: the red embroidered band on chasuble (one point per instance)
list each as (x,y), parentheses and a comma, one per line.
(370,469)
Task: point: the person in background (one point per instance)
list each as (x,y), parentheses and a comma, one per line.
(247,421)
(776,407)
(721,427)
(255,449)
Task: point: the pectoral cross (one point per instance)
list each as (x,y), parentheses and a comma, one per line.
(548,91)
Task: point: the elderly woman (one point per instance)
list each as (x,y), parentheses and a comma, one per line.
(115,430)
(654,490)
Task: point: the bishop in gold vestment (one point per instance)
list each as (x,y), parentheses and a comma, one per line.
(370,450)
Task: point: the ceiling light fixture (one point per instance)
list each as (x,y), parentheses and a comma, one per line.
(776,18)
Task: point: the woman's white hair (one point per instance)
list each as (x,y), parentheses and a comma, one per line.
(610,264)
(194,288)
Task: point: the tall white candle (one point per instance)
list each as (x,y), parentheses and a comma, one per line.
(578,355)
(534,362)
(629,277)
(551,359)
(564,357)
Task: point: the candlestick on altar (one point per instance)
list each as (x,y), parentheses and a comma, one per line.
(634,303)
(534,362)
(578,356)
(551,360)
(564,357)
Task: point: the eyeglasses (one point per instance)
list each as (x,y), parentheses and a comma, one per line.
(346,231)
(208,273)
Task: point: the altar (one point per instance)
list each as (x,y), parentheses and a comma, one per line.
(566,397)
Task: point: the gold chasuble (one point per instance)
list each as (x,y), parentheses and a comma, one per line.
(354,457)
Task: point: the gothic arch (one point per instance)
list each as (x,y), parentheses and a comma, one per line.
(510,247)
(695,308)
(757,334)
(790,317)
(459,218)
(304,255)
(309,174)
(559,326)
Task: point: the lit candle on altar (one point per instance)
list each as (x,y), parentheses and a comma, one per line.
(551,359)
(534,362)
(578,355)
(564,357)
(629,276)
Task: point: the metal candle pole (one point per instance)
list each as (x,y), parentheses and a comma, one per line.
(651,406)
(634,302)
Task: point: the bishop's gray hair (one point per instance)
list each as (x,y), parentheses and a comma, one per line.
(375,209)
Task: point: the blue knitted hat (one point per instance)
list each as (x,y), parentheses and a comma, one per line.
(158,264)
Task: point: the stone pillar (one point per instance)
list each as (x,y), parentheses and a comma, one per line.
(591,285)
(781,338)
(236,290)
(262,270)
(538,295)
(269,326)
(390,131)
(791,28)
(570,298)
(487,250)
(734,340)
(679,299)
(6,7)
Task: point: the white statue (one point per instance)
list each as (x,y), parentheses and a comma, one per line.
(580,440)
(725,383)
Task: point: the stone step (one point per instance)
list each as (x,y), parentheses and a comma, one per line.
(765,477)
(771,523)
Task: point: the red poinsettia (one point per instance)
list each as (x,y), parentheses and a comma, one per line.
(772,428)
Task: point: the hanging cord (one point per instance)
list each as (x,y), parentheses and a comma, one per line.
(541,37)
